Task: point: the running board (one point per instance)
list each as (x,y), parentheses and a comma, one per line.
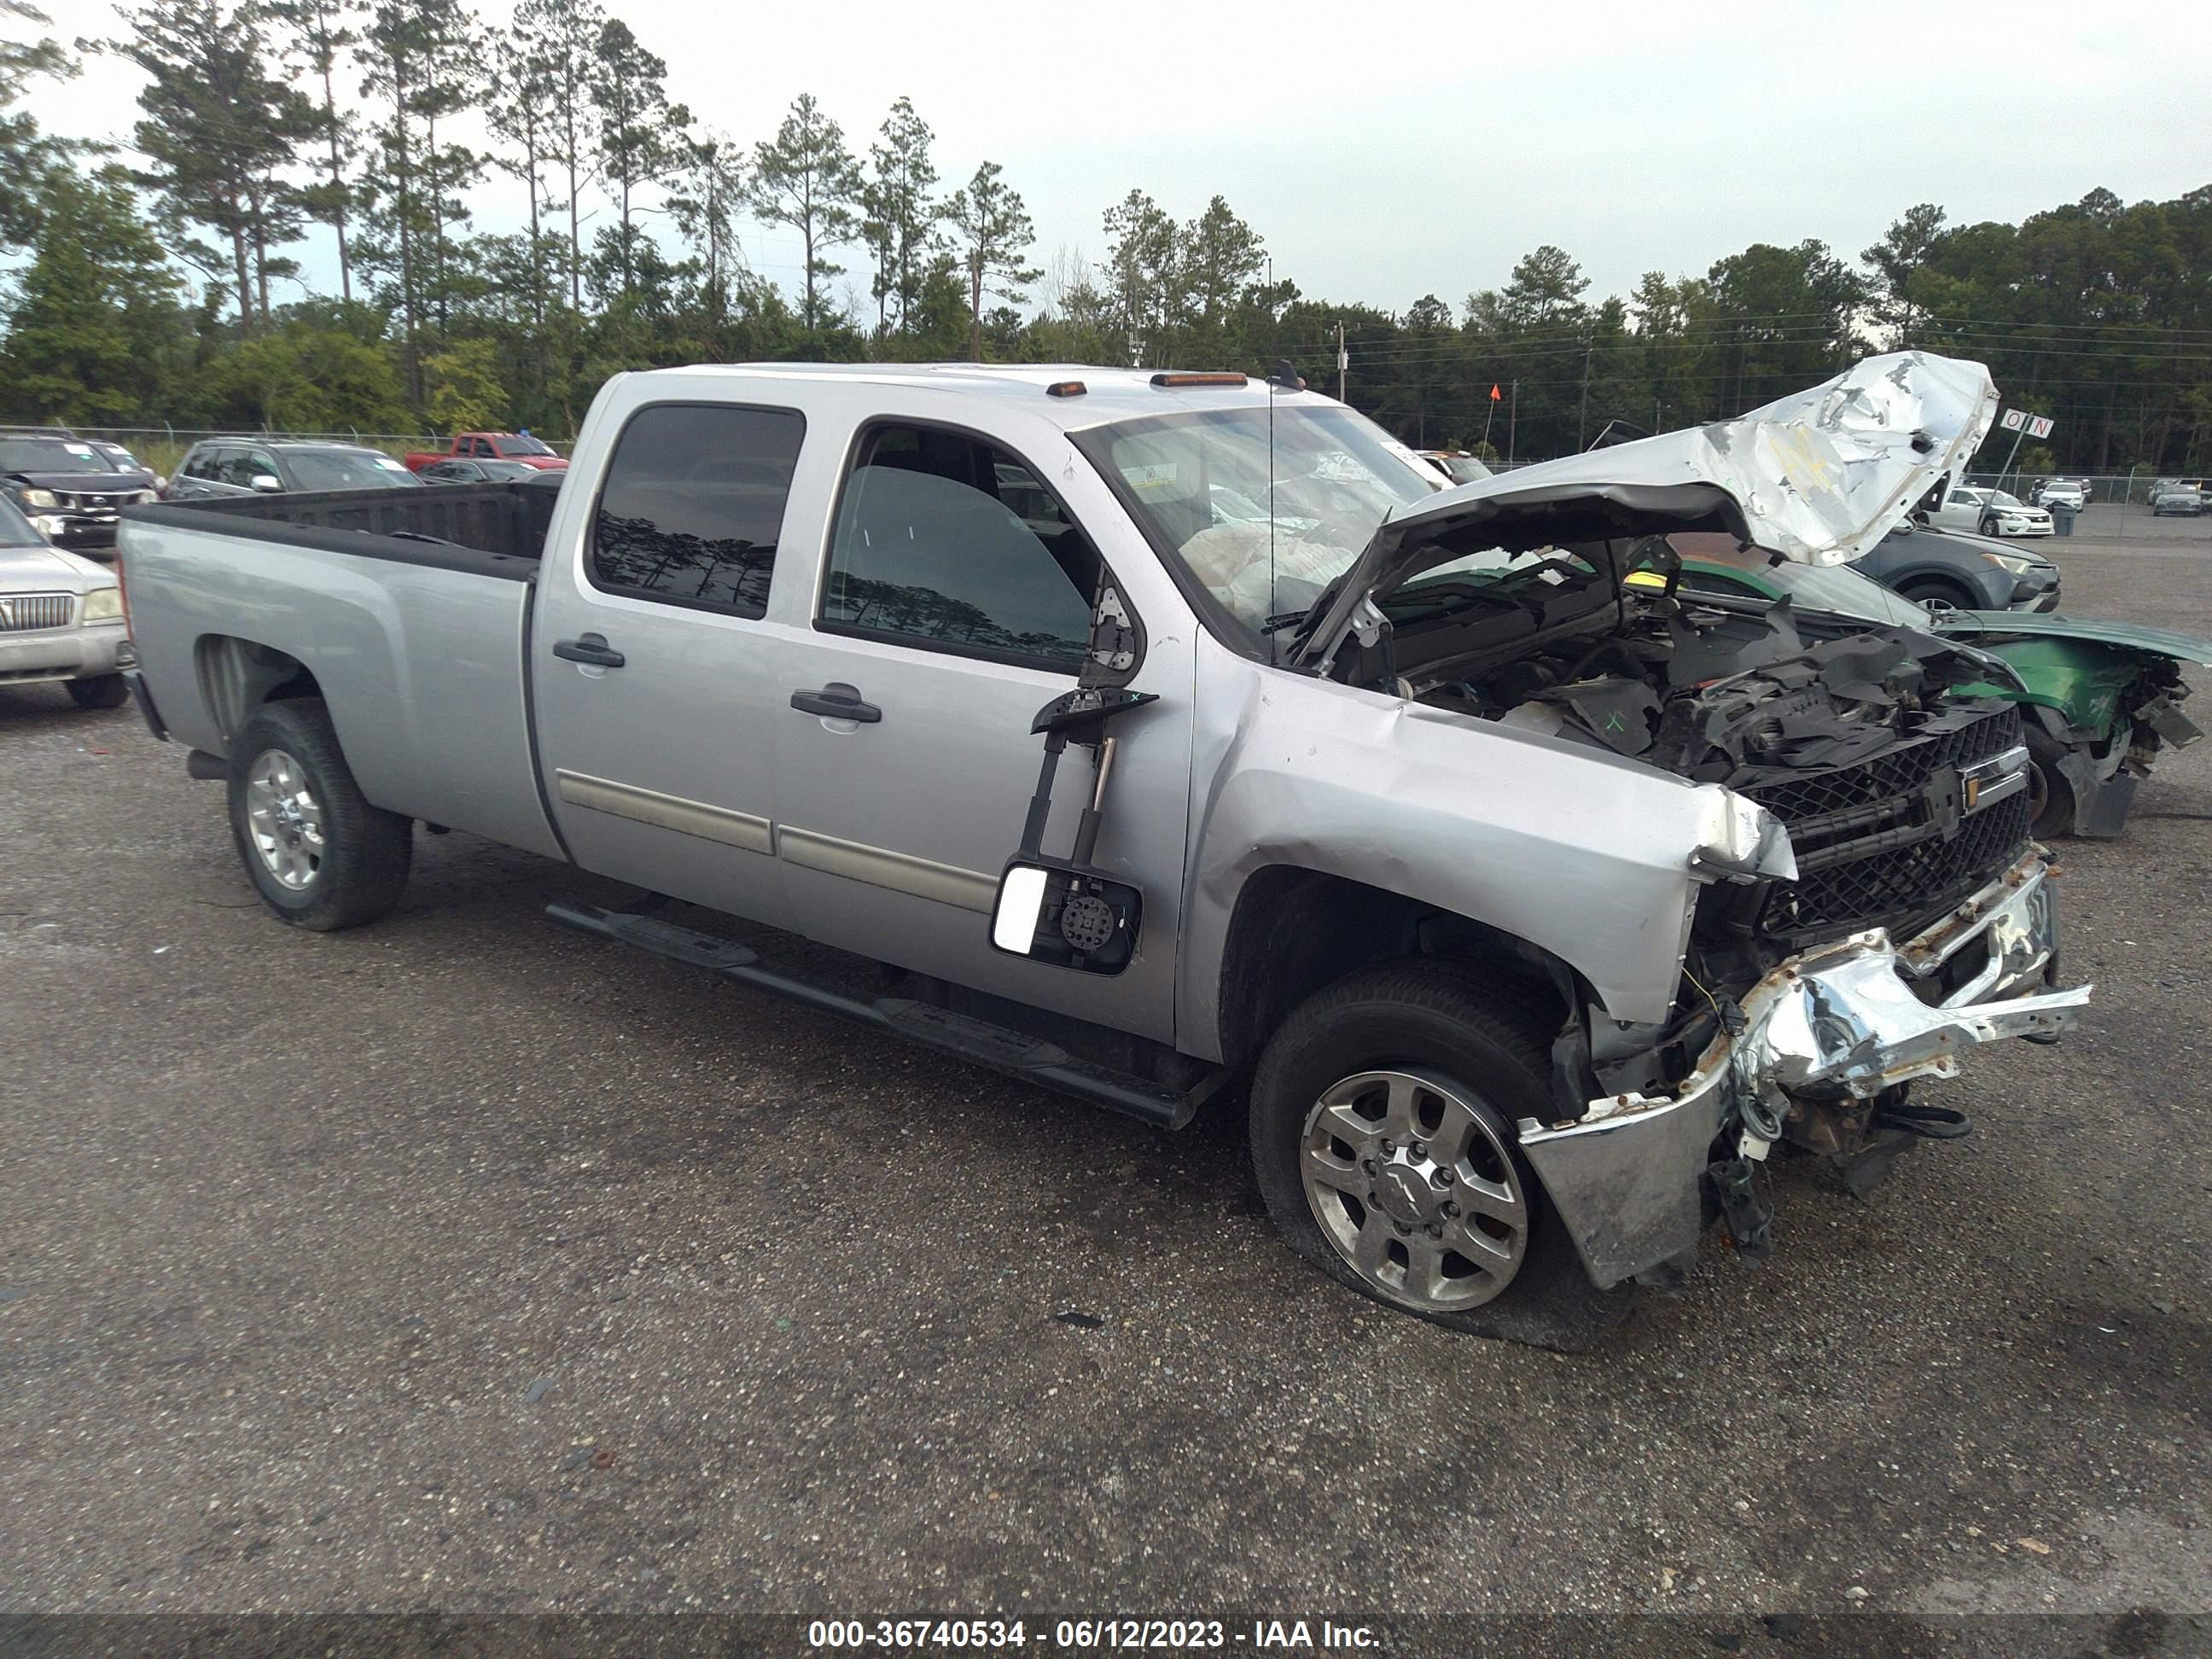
(1002,1049)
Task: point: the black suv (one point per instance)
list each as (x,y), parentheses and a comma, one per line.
(262,466)
(68,487)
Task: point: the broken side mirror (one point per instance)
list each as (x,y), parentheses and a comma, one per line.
(1066,915)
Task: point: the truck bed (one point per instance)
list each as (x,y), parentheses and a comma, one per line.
(506,520)
(411,606)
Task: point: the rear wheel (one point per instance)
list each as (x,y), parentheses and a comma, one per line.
(101,691)
(2050,798)
(1384,1141)
(319,856)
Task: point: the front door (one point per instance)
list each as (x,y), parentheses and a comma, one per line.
(655,682)
(955,604)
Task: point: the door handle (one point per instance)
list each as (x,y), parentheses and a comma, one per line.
(836,703)
(591,648)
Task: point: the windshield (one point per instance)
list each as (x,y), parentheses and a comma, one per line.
(525,445)
(348,469)
(1720,564)
(1200,486)
(14,529)
(1999,498)
(50,455)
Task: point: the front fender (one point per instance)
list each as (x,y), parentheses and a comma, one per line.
(1571,849)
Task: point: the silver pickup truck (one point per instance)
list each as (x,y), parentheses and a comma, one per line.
(1530,911)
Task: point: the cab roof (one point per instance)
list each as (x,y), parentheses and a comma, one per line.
(1108,394)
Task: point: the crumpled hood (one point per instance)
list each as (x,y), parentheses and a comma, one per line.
(1819,476)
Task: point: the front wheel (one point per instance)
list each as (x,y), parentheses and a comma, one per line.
(1384,1141)
(99,691)
(1989,526)
(320,856)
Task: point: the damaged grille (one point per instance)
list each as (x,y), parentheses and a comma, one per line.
(1891,840)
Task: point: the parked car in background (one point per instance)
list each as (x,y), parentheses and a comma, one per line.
(61,618)
(2062,492)
(1459,466)
(2177,500)
(68,488)
(454,471)
(248,466)
(2098,700)
(1967,571)
(1990,512)
(492,447)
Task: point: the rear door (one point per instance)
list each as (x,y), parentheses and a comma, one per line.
(656,694)
(953,603)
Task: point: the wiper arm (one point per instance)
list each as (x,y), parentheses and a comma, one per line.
(1276,623)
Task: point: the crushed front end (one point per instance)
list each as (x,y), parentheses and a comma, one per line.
(1819,1054)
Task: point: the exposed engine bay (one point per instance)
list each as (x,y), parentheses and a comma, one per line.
(1900,794)
(1704,692)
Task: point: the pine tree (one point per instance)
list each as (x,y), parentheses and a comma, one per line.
(321,33)
(995,235)
(900,219)
(806,178)
(219,131)
(567,32)
(29,158)
(641,133)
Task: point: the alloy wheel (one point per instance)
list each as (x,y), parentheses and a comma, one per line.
(1416,1188)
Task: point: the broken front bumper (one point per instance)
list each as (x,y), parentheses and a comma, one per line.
(1845,1018)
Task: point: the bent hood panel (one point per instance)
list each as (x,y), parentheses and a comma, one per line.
(1991,627)
(1819,476)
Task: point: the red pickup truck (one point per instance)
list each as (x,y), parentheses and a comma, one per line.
(492,446)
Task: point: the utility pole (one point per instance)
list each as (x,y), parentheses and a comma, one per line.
(1512,424)
(1343,363)
(1582,420)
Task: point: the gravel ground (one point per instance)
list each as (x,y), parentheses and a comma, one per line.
(462,1263)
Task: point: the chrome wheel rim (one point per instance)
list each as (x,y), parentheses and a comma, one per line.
(284,819)
(1412,1187)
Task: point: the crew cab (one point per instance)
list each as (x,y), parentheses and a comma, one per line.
(1526,912)
(492,447)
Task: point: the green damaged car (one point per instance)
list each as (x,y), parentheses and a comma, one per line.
(2097,699)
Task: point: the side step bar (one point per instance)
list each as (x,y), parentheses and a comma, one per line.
(1012,1052)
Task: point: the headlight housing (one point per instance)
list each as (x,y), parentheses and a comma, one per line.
(102,604)
(2014,564)
(39,498)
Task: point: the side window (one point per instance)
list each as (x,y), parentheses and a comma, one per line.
(693,504)
(947,542)
(232,467)
(200,463)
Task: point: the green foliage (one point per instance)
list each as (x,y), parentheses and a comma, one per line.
(306,376)
(96,314)
(29,158)
(465,392)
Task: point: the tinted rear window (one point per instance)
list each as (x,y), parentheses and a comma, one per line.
(693,504)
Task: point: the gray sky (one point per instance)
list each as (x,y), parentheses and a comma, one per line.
(1385,151)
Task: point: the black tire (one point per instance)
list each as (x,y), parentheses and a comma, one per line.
(360,854)
(1488,1039)
(1989,527)
(101,691)
(1921,589)
(2050,795)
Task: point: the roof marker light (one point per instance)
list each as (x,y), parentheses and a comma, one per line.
(1066,389)
(1175,382)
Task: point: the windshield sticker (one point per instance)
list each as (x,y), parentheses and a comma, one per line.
(82,450)
(389,464)
(1155,474)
